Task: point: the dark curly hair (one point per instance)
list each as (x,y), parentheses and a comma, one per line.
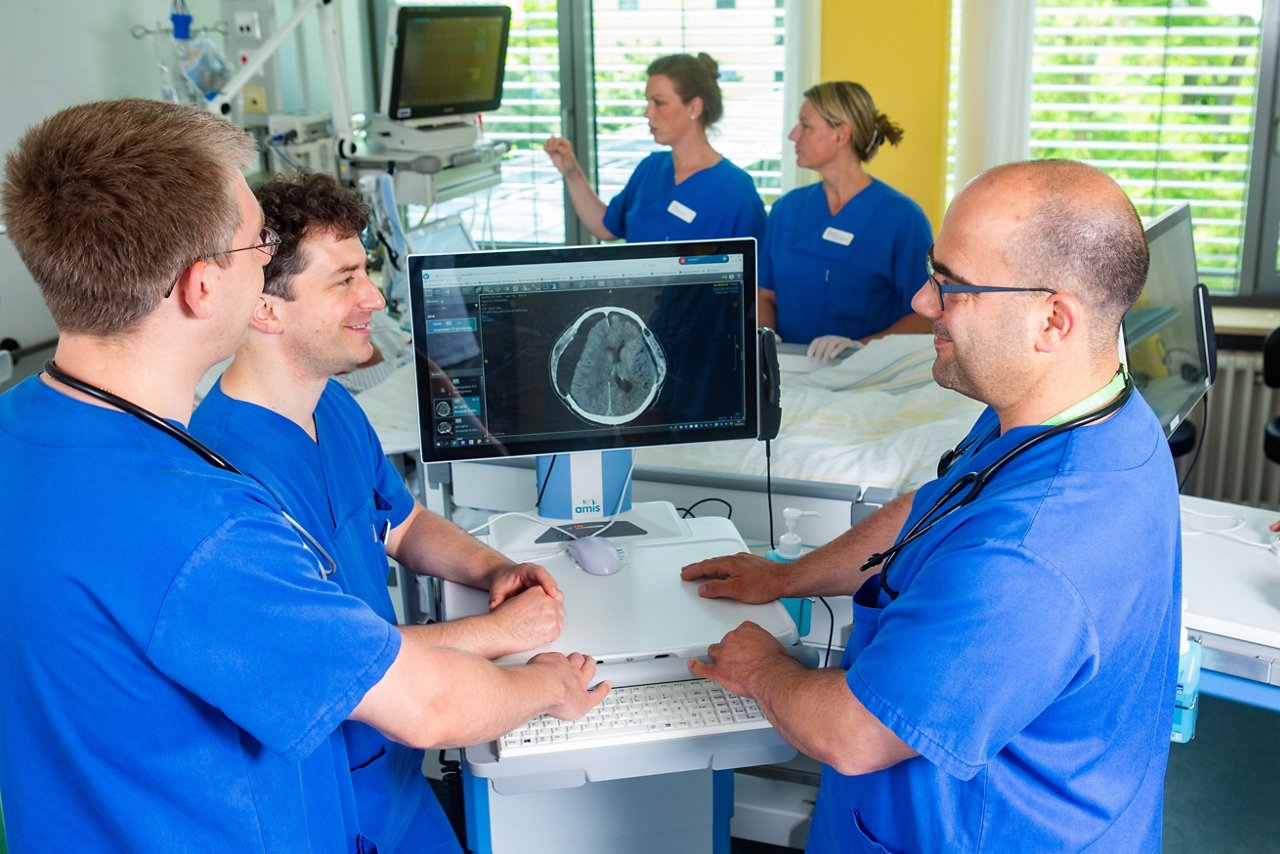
(301,207)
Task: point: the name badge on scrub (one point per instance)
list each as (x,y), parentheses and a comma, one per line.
(687,213)
(838,235)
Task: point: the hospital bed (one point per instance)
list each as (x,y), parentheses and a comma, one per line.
(854,433)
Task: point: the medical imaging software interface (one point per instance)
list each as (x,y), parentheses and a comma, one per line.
(639,351)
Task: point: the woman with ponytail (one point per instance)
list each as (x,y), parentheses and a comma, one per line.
(842,258)
(688,193)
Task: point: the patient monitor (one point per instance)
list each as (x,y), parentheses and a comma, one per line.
(444,64)
(582,351)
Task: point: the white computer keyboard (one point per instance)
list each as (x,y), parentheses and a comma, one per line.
(640,713)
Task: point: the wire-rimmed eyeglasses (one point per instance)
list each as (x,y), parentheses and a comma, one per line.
(268,243)
(941,288)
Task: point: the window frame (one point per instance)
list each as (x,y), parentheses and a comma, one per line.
(1259,262)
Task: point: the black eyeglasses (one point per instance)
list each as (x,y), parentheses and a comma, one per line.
(270,242)
(953,288)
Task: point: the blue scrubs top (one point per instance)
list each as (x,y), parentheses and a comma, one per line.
(719,201)
(345,492)
(174,668)
(851,274)
(1030,658)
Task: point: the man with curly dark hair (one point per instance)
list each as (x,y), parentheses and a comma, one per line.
(278,416)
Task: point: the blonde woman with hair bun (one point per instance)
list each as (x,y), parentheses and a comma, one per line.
(842,258)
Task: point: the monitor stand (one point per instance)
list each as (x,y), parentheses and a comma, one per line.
(578,530)
(586,486)
(646,522)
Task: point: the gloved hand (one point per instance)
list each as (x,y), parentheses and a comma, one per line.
(824,348)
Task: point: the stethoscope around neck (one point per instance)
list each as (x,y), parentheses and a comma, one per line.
(970,485)
(328,565)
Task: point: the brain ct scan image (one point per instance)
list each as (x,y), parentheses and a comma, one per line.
(608,366)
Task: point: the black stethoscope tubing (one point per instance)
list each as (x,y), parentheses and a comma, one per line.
(328,565)
(977,480)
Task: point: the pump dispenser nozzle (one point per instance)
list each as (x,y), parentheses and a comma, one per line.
(790,544)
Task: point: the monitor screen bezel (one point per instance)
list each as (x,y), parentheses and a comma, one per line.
(1177,217)
(393,107)
(608,439)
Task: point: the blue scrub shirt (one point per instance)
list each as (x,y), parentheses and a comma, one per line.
(853,273)
(1030,658)
(174,668)
(348,496)
(719,201)
(345,492)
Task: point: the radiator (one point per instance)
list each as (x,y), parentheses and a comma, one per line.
(1231,464)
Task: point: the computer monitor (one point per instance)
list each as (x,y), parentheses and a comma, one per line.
(586,348)
(445,61)
(1168,334)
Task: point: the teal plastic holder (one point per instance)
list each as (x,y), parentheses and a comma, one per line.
(1186,702)
(800,611)
(799,608)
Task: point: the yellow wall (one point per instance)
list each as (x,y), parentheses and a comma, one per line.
(899,51)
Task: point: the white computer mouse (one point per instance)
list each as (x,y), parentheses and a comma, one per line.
(595,555)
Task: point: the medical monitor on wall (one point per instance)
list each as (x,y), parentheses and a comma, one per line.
(1167,334)
(585,348)
(445,61)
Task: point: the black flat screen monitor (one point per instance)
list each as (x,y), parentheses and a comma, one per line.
(585,348)
(1165,353)
(447,61)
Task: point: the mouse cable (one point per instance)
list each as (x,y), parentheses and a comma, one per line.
(569,535)
(1236,522)
(622,493)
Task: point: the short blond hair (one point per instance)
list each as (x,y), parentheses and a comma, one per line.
(108,202)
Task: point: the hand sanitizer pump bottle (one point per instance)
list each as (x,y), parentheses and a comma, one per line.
(790,547)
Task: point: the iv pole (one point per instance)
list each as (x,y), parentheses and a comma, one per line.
(329,41)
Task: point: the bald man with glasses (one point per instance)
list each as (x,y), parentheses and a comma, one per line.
(1008,685)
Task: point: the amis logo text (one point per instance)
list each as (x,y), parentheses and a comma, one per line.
(588,505)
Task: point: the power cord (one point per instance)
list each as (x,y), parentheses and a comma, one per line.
(687,512)
(768,488)
(831,632)
(1204,429)
(451,777)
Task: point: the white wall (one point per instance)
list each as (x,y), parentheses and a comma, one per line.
(61,52)
(57,53)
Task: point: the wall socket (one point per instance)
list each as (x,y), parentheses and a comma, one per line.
(247,25)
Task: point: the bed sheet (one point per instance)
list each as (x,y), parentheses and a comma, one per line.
(874,419)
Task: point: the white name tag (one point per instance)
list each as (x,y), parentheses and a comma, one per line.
(687,213)
(836,235)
